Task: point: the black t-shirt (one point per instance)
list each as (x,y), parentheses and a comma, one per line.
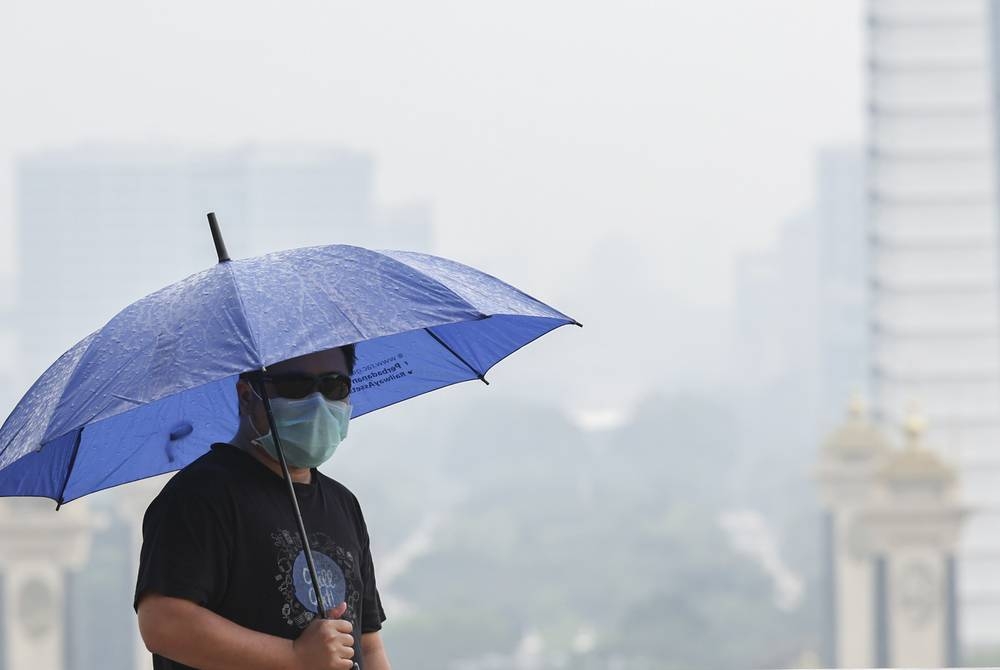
(222,533)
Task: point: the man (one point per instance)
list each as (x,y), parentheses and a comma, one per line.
(223,581)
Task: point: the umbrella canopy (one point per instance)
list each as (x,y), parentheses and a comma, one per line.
(150,392)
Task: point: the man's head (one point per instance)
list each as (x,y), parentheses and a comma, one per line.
(340,360)
(327,372)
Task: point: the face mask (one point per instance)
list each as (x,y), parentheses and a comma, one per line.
(310,429)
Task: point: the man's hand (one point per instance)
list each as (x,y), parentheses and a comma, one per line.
(327,643)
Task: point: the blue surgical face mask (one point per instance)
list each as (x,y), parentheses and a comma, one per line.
(310,429)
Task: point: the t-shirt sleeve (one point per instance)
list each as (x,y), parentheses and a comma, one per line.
(373,614)
(185,549)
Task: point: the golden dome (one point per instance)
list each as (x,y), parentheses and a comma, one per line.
(916,462)
(856,437)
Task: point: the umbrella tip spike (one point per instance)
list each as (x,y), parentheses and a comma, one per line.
(220,245)
(483,379)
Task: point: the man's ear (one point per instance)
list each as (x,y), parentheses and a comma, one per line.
(244,395)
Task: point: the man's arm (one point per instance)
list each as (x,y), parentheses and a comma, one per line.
(184,631)
(374,652)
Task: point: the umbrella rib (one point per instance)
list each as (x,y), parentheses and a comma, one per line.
(69,470)
(243,311)
(437,282)
(454,353)
(69,379)
(388,253)
(63,429)
(127,399)
(3,450)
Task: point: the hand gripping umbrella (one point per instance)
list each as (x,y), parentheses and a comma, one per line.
(151,391)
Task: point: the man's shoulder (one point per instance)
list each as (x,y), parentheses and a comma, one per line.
(338,489)
(209,475)
(222,460)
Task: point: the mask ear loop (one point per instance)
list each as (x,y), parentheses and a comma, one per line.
(253,426)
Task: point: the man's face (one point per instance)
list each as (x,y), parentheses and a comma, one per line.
(321,362)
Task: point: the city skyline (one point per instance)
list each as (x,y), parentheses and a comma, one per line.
(128,220)
(640,124)
(720,192)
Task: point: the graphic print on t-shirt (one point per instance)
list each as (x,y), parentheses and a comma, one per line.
(338,576)
(332,585)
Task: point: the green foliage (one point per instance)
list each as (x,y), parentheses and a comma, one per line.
(428,640)
(561,531)
(982,656)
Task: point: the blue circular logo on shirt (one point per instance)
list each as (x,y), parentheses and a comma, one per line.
(332,584)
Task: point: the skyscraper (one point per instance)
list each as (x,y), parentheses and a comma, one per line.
(100,226)
(842,280)
(801,310)
(933,258)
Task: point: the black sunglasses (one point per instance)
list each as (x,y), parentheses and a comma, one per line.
(333,385)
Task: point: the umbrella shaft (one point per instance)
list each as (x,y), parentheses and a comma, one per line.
(295,502)
(295,505)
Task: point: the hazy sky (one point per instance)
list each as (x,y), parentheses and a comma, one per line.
(537,129)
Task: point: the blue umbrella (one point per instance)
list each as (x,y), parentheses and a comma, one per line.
(151,391)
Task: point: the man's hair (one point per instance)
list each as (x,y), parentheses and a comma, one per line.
(350,356)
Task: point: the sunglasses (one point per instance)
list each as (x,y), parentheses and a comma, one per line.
(294,385)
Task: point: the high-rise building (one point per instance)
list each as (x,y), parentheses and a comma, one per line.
(101,226)
(801,307)
(933,217)
(842,283)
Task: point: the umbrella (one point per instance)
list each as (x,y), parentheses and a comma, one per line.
(150,391)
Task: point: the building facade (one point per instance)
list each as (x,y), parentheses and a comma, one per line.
(932,185)
(891,528)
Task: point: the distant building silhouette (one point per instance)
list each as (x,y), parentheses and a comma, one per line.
(891,530)
(801,337)
(98,227)
(842,266)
